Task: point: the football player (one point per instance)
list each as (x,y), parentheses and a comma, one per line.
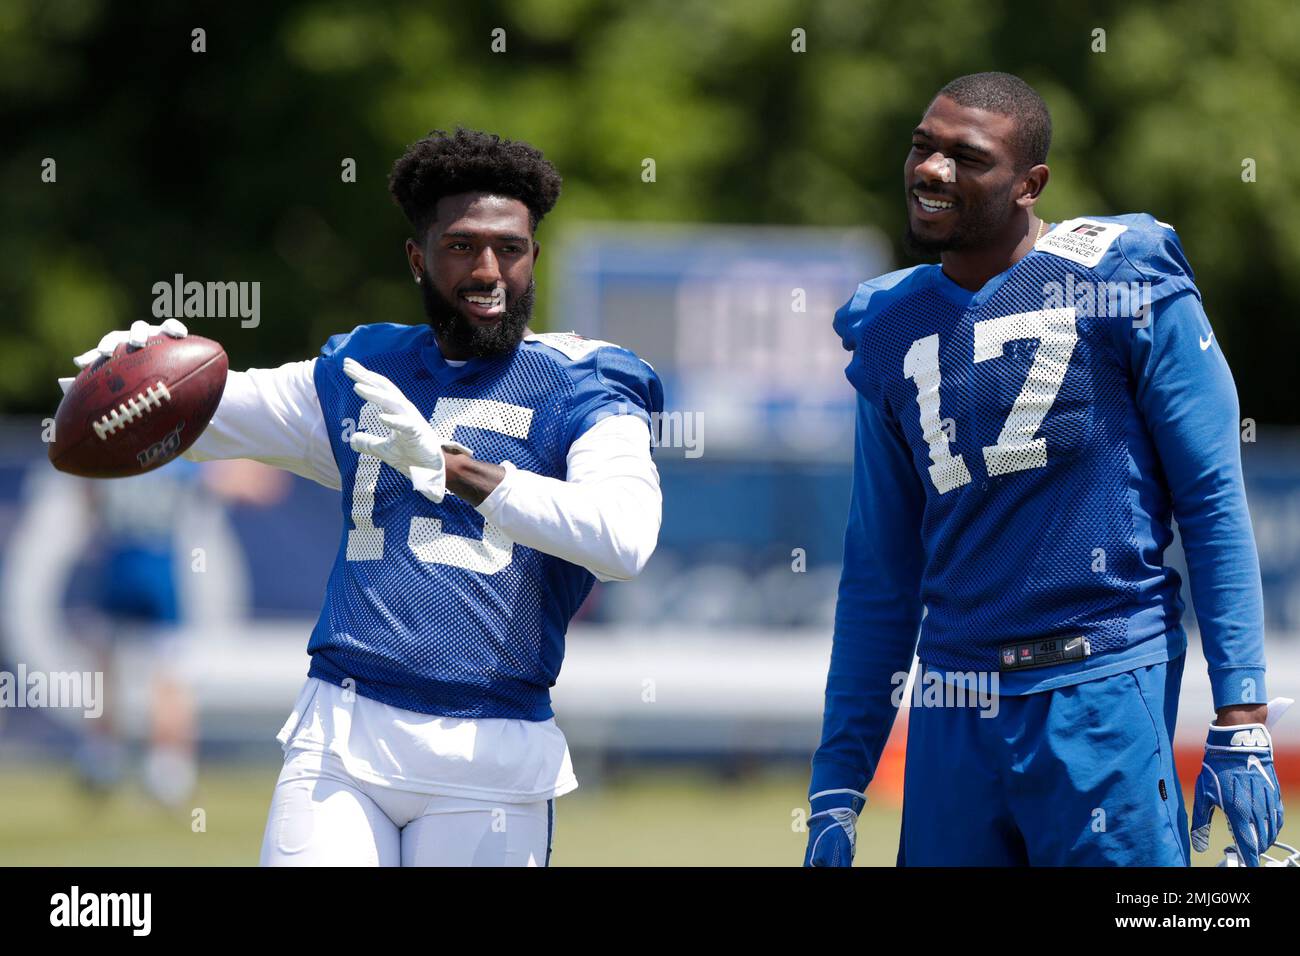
(1032,411)
(488,476)
(138,599)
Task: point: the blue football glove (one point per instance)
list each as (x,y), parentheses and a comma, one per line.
(1237,777)
(832,827)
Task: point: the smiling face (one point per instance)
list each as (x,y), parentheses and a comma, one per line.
(963,184)
(476,273)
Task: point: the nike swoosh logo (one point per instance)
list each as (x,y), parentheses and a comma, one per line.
(1254,763)
(1205,342)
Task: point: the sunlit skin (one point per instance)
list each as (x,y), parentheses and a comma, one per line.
(995,202)
(479,243)
(992,196)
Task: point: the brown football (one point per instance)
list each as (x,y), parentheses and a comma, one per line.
(138,408)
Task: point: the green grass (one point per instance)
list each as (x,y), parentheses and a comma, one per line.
(636,819)
(47,819)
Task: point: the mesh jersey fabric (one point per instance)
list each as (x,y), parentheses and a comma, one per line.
(429,607)
(1016,406)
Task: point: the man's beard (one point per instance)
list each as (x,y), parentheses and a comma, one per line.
(977,226)
(455,330)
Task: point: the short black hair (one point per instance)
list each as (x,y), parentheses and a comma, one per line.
(1008,95)
(467,161)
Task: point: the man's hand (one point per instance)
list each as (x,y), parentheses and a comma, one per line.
(832,827)
(139,333)
(1237,777)
(410,446)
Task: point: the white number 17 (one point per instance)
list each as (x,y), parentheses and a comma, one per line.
(1017,449)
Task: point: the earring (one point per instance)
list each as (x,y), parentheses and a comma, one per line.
(419,279)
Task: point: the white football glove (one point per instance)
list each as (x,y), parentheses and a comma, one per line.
(411,446)
(139,333)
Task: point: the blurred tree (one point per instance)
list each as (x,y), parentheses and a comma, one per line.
(226,164)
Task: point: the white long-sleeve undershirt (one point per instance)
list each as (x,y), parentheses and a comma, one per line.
(604,516)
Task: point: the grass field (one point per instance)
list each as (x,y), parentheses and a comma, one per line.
(641,819)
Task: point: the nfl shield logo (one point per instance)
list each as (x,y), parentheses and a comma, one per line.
(1008,656)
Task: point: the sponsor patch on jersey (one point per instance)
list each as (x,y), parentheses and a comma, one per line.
(571,344)
(1057,650)
(1083,241)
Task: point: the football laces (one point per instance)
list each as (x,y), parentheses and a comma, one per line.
(131,410)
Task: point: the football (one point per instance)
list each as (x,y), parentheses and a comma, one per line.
(138,408)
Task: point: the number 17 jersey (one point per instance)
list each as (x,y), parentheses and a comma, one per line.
(1044,516)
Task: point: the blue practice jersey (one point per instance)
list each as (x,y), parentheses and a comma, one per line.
(429,607)
(1020,453)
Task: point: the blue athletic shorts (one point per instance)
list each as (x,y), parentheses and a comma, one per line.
(1077,776)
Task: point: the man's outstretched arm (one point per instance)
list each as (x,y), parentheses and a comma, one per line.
(271,415)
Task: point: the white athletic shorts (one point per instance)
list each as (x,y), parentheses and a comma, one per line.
(322,816)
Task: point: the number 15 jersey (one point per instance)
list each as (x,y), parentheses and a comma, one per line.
(430,607)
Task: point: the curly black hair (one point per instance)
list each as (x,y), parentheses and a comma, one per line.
(444,164)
